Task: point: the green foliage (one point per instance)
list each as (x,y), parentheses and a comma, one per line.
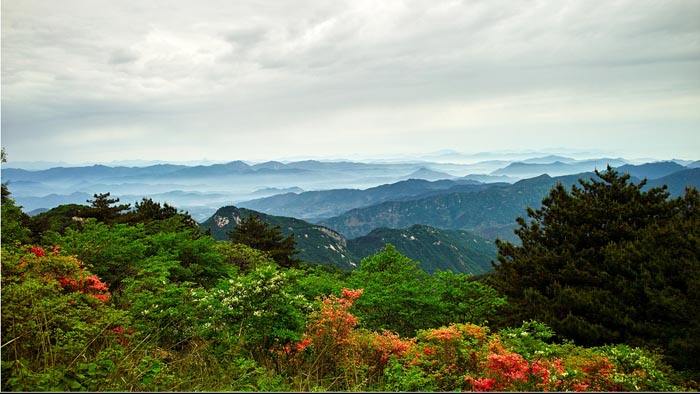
(112,252)
(187,312)
(252,231)
(608,262)
(401,297)
(14,222)
(407,378)
(242,257)
(258,306)
(314,281)
(57,220)
(106,209)
(531,340)
(434,249)
(51,333)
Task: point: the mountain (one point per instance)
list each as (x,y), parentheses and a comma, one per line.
(695,164)
(315,243)
(484,178)
(549,159)
(435,249)
(428,174)
(482,211)
(488,211)
(678,181)
(525,170)
(234,167)
(328,203)
(271,191)
(651,170)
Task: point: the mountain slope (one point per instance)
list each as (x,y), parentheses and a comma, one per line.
(522,169)
(678,181)
(435,249)
(489,212)
(328,203)
(315,243)
(480,211)
(651,170)
(428,174)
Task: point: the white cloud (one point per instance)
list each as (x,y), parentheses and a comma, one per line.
(312,77)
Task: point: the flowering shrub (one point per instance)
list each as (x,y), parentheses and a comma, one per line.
(52,325)
(90,285)
(38,251)
(258,305)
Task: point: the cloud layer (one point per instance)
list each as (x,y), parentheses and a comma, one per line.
(177,80)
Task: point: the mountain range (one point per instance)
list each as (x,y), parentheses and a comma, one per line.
(435,249)
(489,212)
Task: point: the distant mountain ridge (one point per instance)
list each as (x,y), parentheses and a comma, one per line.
(328,203)
(489,212)
(556,168)
(651,170)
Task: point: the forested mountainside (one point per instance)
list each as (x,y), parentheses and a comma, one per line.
(478,211)
(434,249)
(315,243)
(328,203)
(487,211)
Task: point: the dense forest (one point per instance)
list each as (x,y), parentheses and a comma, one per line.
(600,293)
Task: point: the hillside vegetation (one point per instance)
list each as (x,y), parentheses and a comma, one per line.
(599,295)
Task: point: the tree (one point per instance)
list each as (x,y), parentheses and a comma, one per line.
(14,221)
(5,190)
(252,231)
(400,296)
(149,211)
(103,208)
(608,262)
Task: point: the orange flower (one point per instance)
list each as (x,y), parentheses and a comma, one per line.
(445,333)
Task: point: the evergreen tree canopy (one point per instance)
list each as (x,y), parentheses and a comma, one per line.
(148,211)
(252,231)
(607,262)
(106,209)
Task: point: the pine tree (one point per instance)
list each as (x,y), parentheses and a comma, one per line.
(608,262)
(252,231)
(106,209)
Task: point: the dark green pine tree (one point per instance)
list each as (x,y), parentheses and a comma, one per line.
(252,231)
(106,209)
(608,262)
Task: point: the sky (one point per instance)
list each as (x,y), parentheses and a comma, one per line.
(94,81)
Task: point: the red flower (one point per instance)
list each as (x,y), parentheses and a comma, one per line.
(38,251)
(100,297)
(303,344)
(55,250)
(540,370)
(511,366)
(483,384)
(351,295)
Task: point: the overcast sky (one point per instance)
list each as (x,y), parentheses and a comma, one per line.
(101,80)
